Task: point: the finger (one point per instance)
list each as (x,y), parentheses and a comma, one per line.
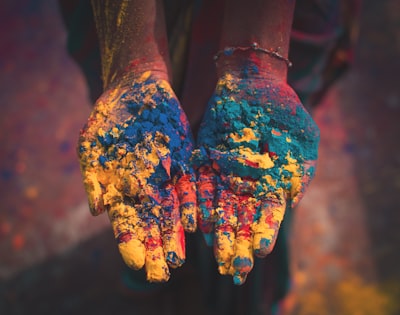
(266,228)
(94,193)
(128,233)
(155,264)
(186,189)
(225,228)
(205,195)
(243,260)
(300,184)
(171,228)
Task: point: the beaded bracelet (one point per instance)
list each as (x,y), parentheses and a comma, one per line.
(229,51)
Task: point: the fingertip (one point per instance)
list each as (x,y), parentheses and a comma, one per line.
(264,236)
(155,263)
(239,278)
(170,236)
(243,260)
(133,253)
(128,234)
(160,274)
(262,245)
(189,218)
(174,246)
(294,202)
(224,249)
(265,230)
(96,208)
(242,267)
(94,193)
(299,186)
(173,259)
(156,266)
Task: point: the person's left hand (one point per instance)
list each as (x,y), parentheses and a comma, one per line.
(257,150)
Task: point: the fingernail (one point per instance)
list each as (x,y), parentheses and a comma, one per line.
(174,260)
(239,279)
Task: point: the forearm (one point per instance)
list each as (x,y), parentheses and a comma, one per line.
(132,38)
(266,22)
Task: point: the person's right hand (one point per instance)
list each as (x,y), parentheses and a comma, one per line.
(134,153)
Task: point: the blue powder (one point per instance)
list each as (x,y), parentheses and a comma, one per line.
(265,243)
(229,113)
(242,262)
(163,116)
(265,111)
(274,114)
(103,160)
(106,140)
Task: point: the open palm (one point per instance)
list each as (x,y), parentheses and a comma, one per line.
(257,152)
(134,154)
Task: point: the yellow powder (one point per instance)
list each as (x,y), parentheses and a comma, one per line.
(263,160)
(248,135)
(133,253)
(224,250)
(243,248)
(295,169)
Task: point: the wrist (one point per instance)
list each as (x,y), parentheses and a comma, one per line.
(250,63)
(136,69)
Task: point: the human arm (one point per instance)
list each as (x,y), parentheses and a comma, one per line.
(135,147)
(257,145)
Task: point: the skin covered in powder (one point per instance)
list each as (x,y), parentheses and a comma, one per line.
(257,146)
(257,152)
(133,153)
(135,149)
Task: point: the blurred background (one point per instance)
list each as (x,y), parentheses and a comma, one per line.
(57,259)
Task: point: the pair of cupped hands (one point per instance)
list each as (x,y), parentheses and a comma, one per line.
(255,154)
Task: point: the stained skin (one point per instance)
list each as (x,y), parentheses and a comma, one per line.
(256,155)
(134,153)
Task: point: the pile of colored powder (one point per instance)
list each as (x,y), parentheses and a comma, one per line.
(258,131)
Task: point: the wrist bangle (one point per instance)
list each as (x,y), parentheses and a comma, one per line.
(229,51)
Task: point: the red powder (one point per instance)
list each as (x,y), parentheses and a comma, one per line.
(252,164)
(125,237)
